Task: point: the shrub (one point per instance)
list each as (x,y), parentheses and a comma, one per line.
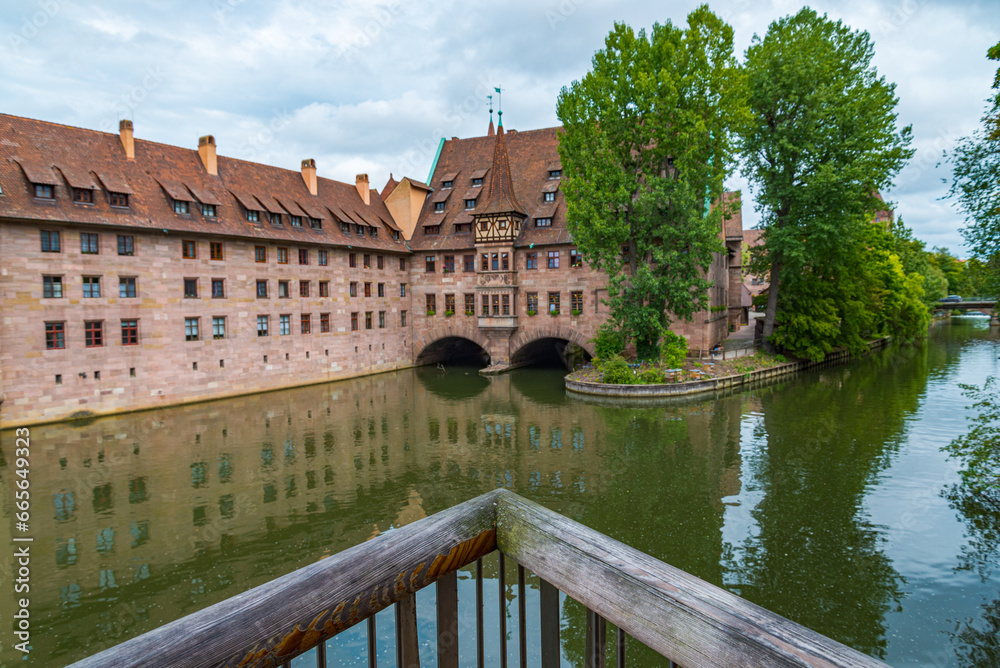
(615,370)
(448,314)
(553,313)
(532,312)
(469,313)
(675,348)
(429,312)
(575,313)
(780,359)
(651,377)
(609,342)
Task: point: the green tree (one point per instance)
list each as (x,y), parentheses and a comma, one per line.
(953,270)
(820,140)
(646,145)
(976,182)
(915,259)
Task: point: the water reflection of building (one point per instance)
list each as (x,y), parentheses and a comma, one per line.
(143,518)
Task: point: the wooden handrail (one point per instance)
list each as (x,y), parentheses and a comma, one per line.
(281,619)
(684,618)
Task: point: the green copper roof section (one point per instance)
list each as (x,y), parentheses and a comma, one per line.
(435,163)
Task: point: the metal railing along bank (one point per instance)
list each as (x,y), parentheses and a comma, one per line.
(688,621)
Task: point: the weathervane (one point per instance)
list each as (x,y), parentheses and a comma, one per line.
(499,92)
(490,97)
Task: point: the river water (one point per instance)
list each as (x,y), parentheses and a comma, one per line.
(823,498)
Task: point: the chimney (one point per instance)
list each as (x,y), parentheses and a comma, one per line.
(128,142)
(206,150)
(309,175)
(362,184)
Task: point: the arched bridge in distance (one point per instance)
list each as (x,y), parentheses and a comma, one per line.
(987,306)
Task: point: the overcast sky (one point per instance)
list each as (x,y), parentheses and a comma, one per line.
(371,86)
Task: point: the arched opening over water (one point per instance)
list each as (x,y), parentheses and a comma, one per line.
(454,351)
(550,352)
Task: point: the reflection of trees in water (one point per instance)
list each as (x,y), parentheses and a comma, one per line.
(815,557)
(978,644)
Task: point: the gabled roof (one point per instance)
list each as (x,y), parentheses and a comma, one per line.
(500,195)
(34,151)
(390,185)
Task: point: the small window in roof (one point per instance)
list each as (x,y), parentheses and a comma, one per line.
(477,182)
(359,230)
(447,184)
(295,221)
(345,228)
(438,207)
(555,173)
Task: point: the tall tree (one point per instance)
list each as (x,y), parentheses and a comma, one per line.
(820,141)
(976,183)
(646,147)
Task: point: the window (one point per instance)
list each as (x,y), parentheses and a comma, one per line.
(324,288)
(282,289)
(44,191)
(52,287)
(543,222)
(438,207)
(462,228)
(485,263)
(261,288)
(549,197)
(432,229)
(531,260)
(91,286)
(126,286)
(402,264)
(359,230)
(470,303)
(380,262)
(130,332)
(305,325)
(93,333)
(625,254)
(189,250)
(381,289)
(477,182)
(303,256)
(181,206)
(470,204)
(83,195)
(368,289)
(345,228)
(429,264)
(354,321)
(55,335)
(284,325)
(209,211)
(352,260)
(218,327)
(468,263)
(322,258)
(576,301)
(215,250)
(190,287)
(575,258)
(274,218)
(555,173)
(324,323)
(316,223)
(505,304)
(553,259)
(354,289)
(449,304)
(402,289)
(381,319)
(190,329)
(89,243)
(395,235)
(368,261)
(282,256)
(402,318)
(373,231)
(554,302)
(496,304)
(118,199)
(486,305)
(303,288)
(368,319)
(253,216)
(263,324)
(504,261)
(532,302)
(260,254)
(126,244)
(431,304)
(449,264)
(494,261)
(50,242)
(296,221)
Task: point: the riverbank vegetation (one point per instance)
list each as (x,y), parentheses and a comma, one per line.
(616,370)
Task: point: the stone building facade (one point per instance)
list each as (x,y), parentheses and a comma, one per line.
(135,275)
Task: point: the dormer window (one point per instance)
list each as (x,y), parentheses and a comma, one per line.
(359,230)
(477,182)
(208,210)
(463,227)
(83,195)
(447,184)
(345,228)
(182,206)
(314,223)
(44,191)
(543,222)
(470,204)
(295,221)
(275,218)
(549,197)
(395,235)
(118,199)
(555,173)
(432,229)
(438,207)
(253,216)
(373,231)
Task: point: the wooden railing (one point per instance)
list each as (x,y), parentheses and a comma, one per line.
(690,622)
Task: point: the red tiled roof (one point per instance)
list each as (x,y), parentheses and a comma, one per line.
(501,196)
(77,177)
(390,185)
(29,148)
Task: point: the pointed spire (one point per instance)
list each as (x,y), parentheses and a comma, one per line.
(491,131)
(500,196)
